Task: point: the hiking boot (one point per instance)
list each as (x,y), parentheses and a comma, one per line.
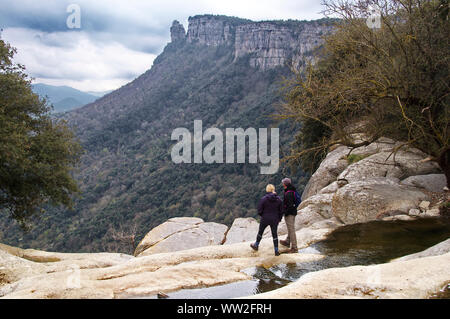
(254,247)
(292,251)
(277,253)
(285,243)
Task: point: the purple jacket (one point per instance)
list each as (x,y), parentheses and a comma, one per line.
(270,208)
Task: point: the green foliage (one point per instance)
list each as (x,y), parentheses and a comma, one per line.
(37,154)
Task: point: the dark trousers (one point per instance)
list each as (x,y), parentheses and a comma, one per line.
(273,227)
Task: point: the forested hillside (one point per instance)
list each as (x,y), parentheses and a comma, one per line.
(129,183)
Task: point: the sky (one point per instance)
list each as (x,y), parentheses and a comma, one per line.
(117,40)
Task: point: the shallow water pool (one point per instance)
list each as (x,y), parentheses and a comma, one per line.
(361,244)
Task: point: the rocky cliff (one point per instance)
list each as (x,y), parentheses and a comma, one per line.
(268,43)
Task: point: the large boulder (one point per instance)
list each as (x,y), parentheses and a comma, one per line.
(430,182)
(181,233)
(377,160)
(305,218)
(403,164)
(367,200)
(320,203)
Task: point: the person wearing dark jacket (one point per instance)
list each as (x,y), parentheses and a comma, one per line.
(271,212)
(290,212)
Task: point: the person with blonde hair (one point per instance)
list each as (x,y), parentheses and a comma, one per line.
(270,210)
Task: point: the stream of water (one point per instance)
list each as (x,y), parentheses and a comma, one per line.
(361,244)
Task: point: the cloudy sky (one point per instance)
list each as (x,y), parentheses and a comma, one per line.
(118,39)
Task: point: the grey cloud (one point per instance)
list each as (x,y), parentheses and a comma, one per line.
(140,28)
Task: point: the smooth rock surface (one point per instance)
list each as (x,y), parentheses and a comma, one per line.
(437,250)
(181,233)
(165,272)
(405,164)
(430,182)
(368,200)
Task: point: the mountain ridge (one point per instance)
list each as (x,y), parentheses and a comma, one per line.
(63,98)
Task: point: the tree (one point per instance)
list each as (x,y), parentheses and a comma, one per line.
(367,83)
(37,153)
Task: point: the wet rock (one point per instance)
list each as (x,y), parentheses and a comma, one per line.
(162,295)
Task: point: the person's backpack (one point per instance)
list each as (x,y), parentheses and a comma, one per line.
(297,198)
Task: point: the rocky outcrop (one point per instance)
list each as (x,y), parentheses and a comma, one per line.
(177,32)
(417,278)
(377,160)
(268,44)
(379,184)
(17,263)
(210,30)
(437,250)
(180,234)
(244,230)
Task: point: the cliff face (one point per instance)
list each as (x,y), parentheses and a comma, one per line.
(209,30)
(268,43)
(271,45)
